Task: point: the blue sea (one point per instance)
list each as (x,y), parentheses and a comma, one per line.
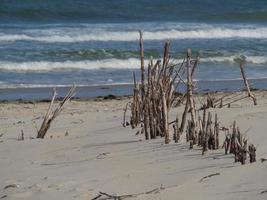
(95,42)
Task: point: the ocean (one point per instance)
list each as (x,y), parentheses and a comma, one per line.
(95,43)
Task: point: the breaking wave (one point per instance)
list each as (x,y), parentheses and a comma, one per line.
(131,63)
(105,35)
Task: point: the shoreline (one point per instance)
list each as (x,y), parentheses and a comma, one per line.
(120,90)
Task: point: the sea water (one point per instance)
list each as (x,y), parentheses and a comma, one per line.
(58,43)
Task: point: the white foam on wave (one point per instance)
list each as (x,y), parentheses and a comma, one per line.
(131,63)
(231,59)
(23,85)
(14,37)
(104,35)
(14,86)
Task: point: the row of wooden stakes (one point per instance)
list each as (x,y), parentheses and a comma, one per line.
(237,144)
(208,137)
(156,94)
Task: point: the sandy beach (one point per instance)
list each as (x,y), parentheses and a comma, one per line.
(192,76)
(87,151)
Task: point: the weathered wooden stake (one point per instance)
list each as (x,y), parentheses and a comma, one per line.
(142,59)
(252,153)
(165,118)
(216,132)
(252,96)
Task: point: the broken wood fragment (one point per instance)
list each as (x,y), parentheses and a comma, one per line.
(211,175)
(21,136)
(11,186)
(52,114)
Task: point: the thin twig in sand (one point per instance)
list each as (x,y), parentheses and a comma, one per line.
(205,177)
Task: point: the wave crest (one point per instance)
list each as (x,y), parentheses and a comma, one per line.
(104,35)
(131,63)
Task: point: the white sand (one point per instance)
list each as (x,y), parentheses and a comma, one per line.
(100,155)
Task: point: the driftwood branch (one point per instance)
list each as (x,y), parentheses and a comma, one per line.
(52,114)
(211,175)
(106,196)
(252,96)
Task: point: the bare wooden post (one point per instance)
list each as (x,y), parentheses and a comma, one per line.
(227,142)
(200,133)
(252,96)
(206,134)
(204,117)
(188,131)
(243,153)
(191,144)
(252,153)
(188,101)
(205,143)
(184,116)
(166,56)
(142,58)
(144,101)
(233,139)
(149,103)
(174,133)
(221,103)
(165,117)
(177,130)
(151,122)
(135,118)
(239,136)
(190,96)
(216,132)
(145,118)
(159,118)
(210,133)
